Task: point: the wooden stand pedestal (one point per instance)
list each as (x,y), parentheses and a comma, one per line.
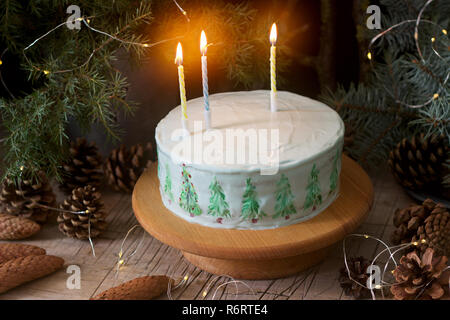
(257,254)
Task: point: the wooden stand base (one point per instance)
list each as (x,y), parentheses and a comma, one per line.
(257,254)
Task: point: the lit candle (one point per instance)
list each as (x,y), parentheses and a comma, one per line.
(203,48)
(273,73)
(179,61)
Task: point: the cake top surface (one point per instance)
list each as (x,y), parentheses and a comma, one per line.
(245,134)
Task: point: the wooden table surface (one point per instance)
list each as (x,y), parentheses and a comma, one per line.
(153,257)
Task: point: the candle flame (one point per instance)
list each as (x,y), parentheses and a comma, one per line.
(273,34)
(179,56)
(203,43)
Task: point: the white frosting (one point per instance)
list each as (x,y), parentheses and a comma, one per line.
(310,134)
(306,127)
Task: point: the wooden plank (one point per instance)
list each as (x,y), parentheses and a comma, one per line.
(99,273)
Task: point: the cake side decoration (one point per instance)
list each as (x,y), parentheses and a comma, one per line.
(250,204)
(335,172)
(313,195)
(189,198)
(284,206)
(218,205)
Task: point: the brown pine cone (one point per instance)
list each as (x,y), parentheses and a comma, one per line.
(144,288)
(435,230)
(28,200)
(15,272)
(10,251)
(419,162)
(408,220)
(421,279)
(124,166)
(77,225)
(358,267)
(427,224)
(16,228)
(84,166)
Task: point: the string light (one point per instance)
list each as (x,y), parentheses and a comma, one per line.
(81,212)
(416,38)
(1,62)
(121,259)
(392,252)
(86,21)
(369,55)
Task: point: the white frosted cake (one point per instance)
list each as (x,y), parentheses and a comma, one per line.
(254,169)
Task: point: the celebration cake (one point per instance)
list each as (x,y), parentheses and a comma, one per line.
(254,169)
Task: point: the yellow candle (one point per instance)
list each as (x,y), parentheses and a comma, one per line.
(179,61)
(273,73)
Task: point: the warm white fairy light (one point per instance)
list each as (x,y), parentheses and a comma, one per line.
(416,38)
(121,259)
(392,252)
(86,21)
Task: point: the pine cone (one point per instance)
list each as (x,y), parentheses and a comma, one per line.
(10,251)
(427,224)
(84,167)
(16,228)
(357,267)
(144,288)
(24,200)
(419,163)
(25,269)
(124,166)
(435,230)
(77,225)
(421,279)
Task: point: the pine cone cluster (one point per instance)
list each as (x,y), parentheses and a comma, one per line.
(84,166)
(427,224)
(84,224)
(125,165)
(357,267)
(422,278)
(419,162)
(27,198)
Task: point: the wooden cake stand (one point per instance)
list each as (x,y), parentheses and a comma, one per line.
(257,254)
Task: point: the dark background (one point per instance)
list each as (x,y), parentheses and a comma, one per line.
(154,84)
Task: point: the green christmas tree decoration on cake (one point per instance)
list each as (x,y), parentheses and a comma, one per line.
(218,206)
(250,204)
(284,205)
(188,199)
(168,185)
(334,173)
(313,195)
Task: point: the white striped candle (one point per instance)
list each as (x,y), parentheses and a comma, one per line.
(273,73)
(203,48)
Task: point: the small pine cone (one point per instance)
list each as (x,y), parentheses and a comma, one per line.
(29,198)
(84,166)
(124,166)
(408,220)
(421,278)
(16,228)
(144,288)
(10,251)
(419,162)
(435,230)
(18,271)
(358,267)
(77,225)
